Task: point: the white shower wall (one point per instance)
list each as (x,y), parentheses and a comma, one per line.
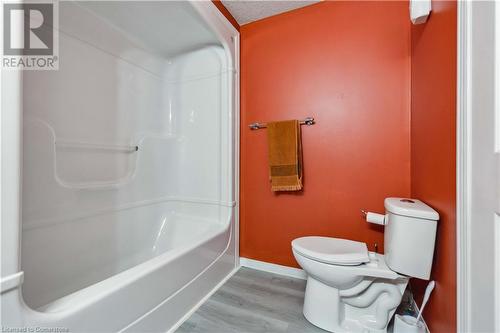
(93,205)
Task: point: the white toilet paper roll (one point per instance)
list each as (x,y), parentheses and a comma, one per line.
(375,218)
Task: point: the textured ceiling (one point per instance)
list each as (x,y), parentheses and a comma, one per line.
(245,11)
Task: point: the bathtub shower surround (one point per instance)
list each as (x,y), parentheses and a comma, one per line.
(128,155)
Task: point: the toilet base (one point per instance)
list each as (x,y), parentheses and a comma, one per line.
(325,307)
(321,305)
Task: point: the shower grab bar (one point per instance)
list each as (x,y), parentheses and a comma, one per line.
(307,121)
(86,145)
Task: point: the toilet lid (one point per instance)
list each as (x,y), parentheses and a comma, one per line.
(329,250)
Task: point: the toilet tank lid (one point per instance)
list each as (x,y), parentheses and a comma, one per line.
(411,208)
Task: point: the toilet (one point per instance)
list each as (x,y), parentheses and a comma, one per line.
(350,289)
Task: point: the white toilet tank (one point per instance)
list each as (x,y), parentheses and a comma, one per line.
(409,237)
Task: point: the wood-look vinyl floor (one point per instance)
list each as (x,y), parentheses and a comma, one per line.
(253,301)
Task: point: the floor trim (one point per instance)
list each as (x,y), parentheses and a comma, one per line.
(273,268)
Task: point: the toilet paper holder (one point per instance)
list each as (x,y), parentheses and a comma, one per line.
(374,218)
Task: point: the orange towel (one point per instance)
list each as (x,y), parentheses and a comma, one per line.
(285,155)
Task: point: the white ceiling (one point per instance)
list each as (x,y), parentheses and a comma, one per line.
(246,11)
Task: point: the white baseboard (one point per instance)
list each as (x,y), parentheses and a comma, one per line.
(273,268)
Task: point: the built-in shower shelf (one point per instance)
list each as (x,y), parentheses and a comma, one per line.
(96,146)
(92,166)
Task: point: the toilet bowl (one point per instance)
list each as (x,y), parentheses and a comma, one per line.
(350,289)
(345,285)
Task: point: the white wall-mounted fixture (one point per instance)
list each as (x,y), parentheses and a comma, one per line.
(419,11)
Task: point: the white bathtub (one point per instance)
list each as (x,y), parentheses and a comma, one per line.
(130,280)
(62,259)
(65,263)
(119,190)
(140,294)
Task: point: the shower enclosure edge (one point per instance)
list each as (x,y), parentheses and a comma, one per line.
(230,38)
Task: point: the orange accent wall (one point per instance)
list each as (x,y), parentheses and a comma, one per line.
(220,6)
(433,150)
(353,66)
(348,65)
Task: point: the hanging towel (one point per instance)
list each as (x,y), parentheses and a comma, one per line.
(285,155)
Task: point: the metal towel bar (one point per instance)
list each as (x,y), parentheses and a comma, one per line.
(307,121)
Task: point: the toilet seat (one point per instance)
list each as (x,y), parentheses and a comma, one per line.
(335,251)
